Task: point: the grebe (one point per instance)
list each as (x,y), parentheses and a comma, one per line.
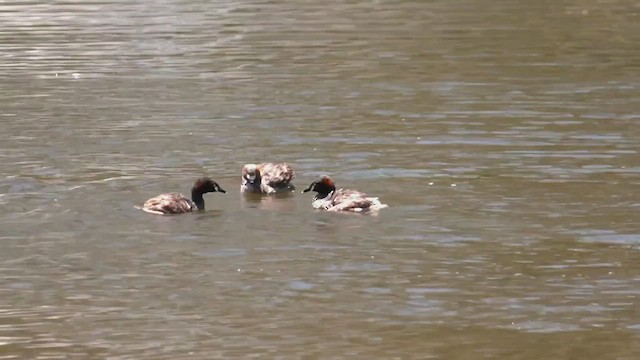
(267,178)
(176,203)
(328,198)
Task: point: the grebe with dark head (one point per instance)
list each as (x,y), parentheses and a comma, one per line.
(330,199)
(267,178)
(176,203)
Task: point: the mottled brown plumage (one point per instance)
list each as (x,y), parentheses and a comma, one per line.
(331,199)
(172,203)
(176,203)
(267,178)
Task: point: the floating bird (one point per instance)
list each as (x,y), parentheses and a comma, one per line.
(267,178)
(328,198)
(176,203)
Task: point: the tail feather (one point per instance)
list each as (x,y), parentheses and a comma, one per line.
(376,204)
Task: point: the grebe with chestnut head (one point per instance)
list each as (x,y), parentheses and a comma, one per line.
(331,199)
(267,178)
(176,203)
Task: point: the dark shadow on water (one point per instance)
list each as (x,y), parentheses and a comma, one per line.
(199,215)
(208,214)
(279,202)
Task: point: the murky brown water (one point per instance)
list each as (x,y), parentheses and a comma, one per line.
(504,136)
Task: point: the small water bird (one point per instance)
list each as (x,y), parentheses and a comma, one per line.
(267,178)
(330,199)
(176,203)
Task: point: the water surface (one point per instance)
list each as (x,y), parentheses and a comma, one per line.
(503,135)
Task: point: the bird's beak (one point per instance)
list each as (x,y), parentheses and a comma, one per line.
(221,190)
(309,188)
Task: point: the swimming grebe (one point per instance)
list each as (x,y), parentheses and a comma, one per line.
(328,198)
(267,178)
(176,203)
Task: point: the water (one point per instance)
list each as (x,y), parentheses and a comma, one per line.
(503,135)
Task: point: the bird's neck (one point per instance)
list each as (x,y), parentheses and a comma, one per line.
(325,193)
(196,197)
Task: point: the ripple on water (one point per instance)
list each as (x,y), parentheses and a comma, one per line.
(607,237)
(221,253)
(543,327)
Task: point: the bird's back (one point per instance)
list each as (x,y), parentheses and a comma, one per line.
(172,203)
(353,200)
(276,175)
